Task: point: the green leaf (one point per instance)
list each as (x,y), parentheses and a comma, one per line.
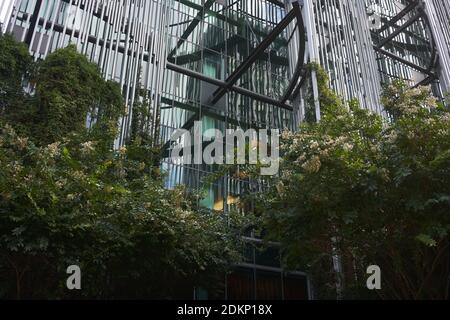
(427,240)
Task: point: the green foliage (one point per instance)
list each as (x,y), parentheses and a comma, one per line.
(369,192)
(71,203)
(67,198)
(399,100)
(69,88)
(16,66)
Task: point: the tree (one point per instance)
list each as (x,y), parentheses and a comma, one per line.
(357,190)
(68,198)
(69,203)
(16,67)
(70,91)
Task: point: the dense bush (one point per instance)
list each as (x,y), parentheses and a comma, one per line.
(357,190)
(66,197)
(67,203)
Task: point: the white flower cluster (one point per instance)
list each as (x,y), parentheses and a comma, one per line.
(87,147)
(53,149)
(312,165)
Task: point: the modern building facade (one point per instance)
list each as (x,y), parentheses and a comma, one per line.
(241,63)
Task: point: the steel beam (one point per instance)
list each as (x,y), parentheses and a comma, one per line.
(191,27)
(301,56)
(244,66)
(392,22)
(400,29)
(425,81)
(33,22)
(406,62)
(223,85)
(277,2)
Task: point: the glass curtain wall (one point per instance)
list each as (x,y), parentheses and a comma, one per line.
(213,38)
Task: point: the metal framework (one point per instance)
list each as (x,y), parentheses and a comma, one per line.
(228,84)
(195,22)
(438,17)
(239,63)
(125,38)
(333,35)
(416,9)
(231,80)
(293,88)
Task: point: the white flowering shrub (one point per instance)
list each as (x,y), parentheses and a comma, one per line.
(367,190)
